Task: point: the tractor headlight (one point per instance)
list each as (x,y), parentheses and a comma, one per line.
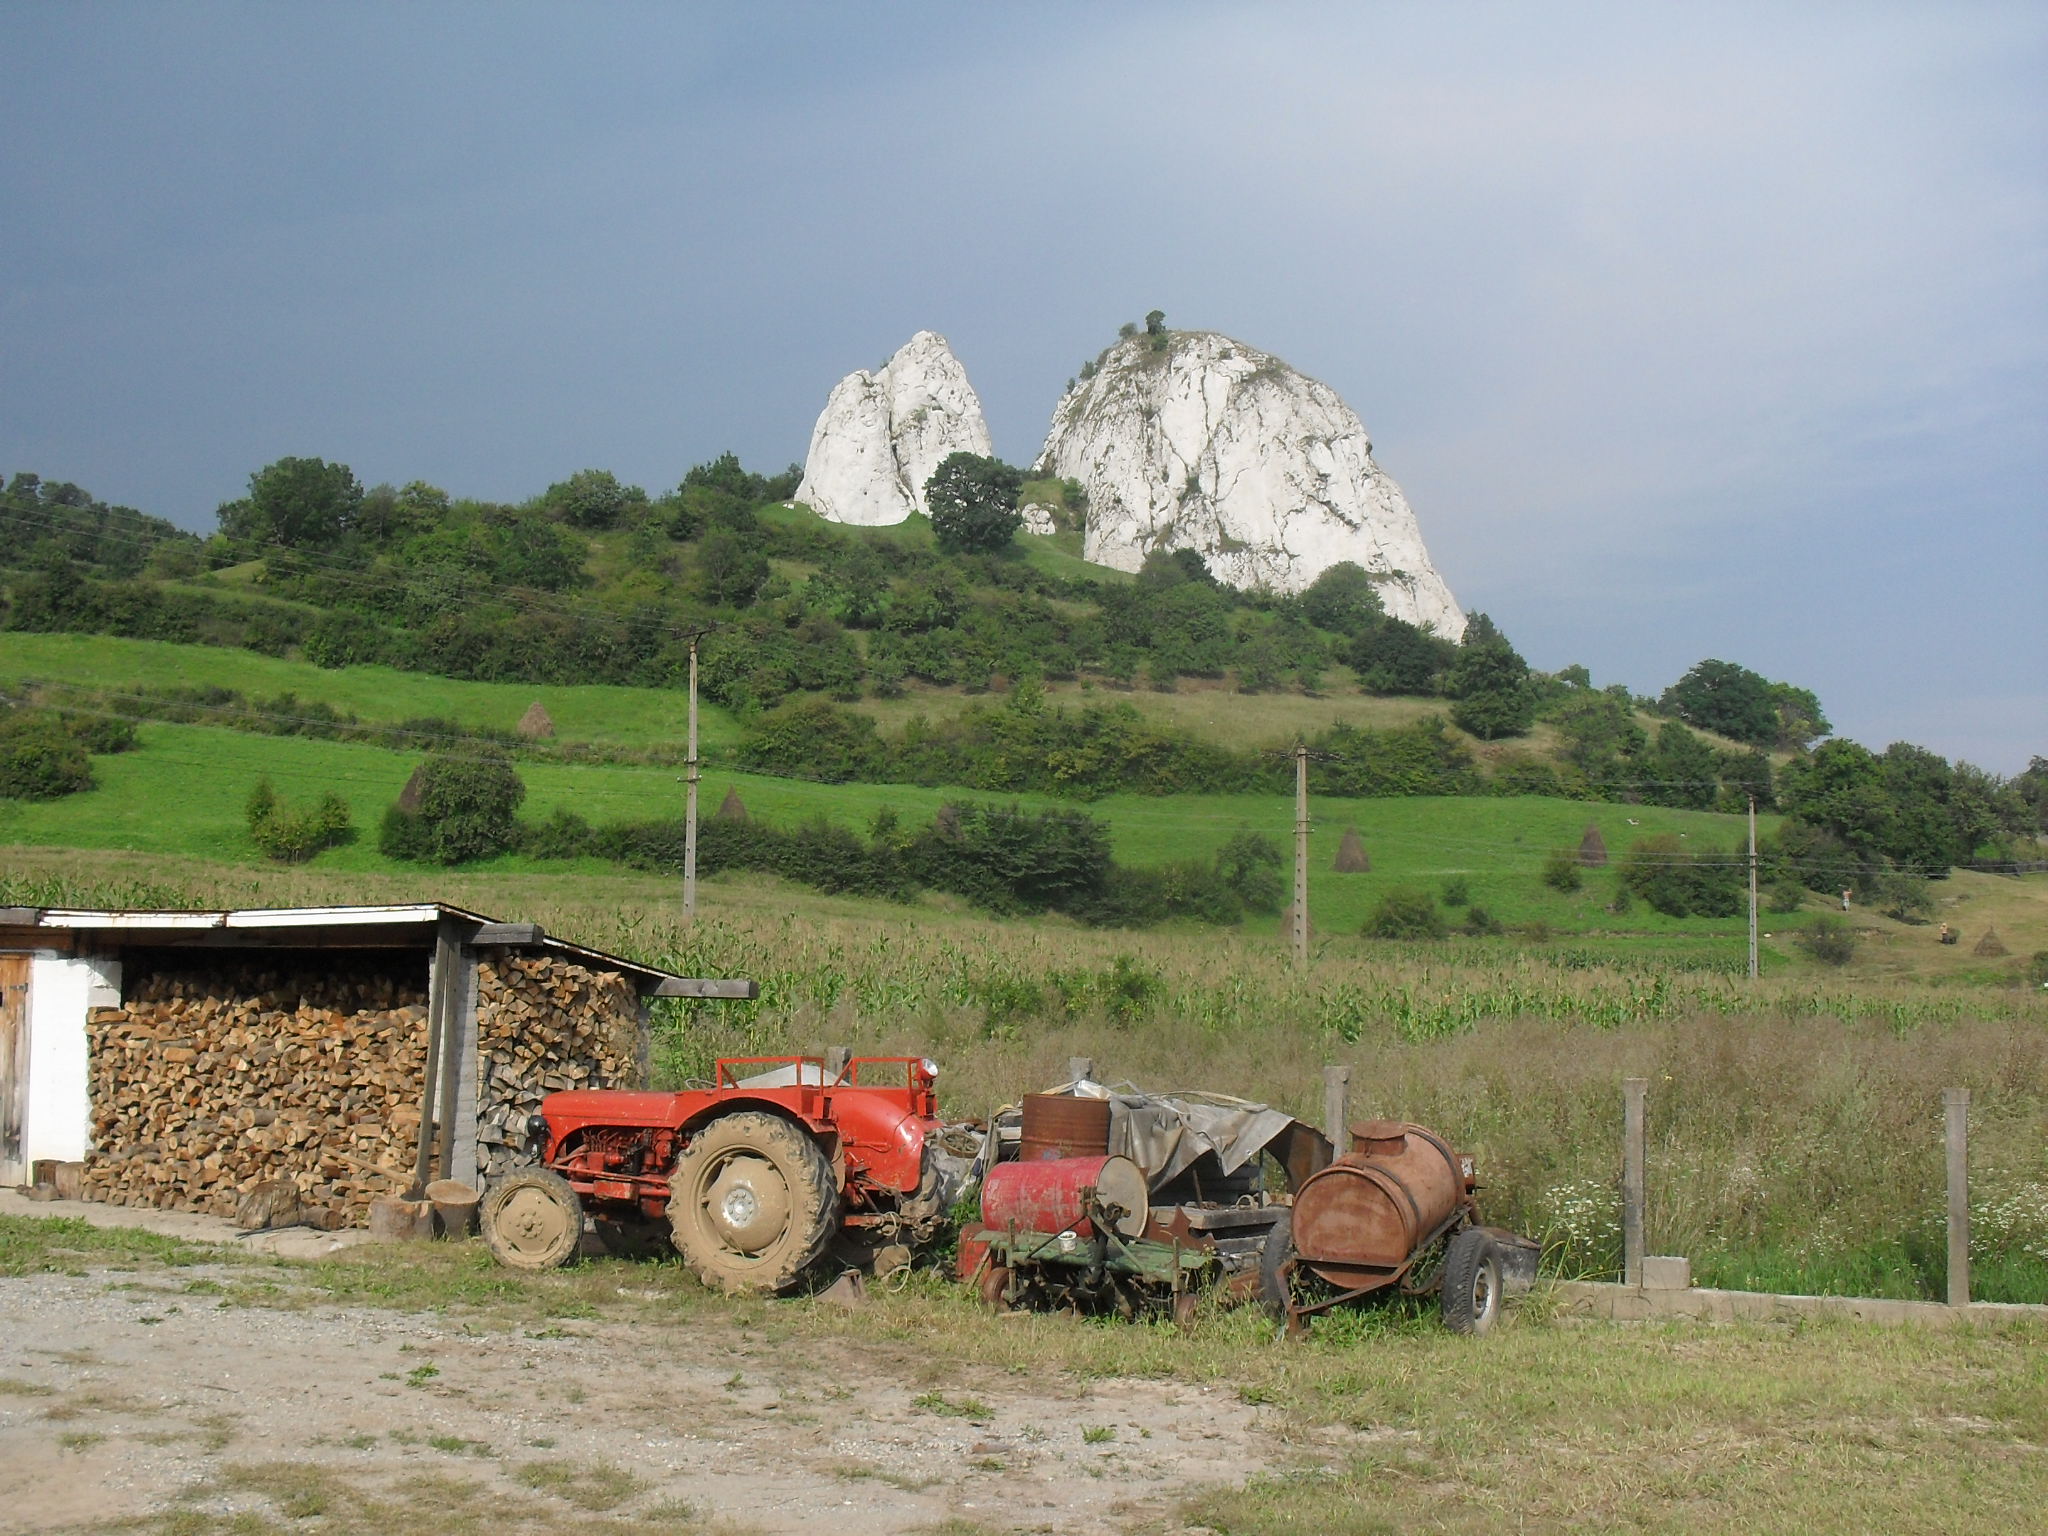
(537,1132)
(930,1068)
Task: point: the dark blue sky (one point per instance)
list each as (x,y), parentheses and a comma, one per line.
(1689,332)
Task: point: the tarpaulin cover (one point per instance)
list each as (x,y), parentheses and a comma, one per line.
(1163,1133)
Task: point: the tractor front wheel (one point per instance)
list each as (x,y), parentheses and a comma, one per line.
(752,1203)
(532,1220)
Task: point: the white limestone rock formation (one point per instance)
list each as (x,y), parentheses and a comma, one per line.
(1218,447)
(882,434)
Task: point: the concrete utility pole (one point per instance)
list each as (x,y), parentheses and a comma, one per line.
(1752,887)
(1301,853)
(690,801)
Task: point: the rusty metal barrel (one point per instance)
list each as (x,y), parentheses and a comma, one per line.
(1051,1195)
(1359,1222)
(1064,1125)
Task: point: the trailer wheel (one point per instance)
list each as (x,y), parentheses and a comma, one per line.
(1470,1295)
(532,1220)
(751,1203)
(1273,1273)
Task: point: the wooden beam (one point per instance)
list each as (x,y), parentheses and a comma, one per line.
(696,986)
(508,933)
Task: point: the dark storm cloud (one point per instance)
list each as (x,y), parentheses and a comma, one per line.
(1689,332)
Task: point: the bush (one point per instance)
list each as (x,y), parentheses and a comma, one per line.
(1561,870)
(1828,940)
(561,835)
(1405,913)
(466,809)
(1457,891)
(1680,883)
(1480,922)
(294,836)
(39,758)
(811,739)
(1784,895)
(1007,859)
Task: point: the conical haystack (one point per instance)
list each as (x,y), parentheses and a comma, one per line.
(1991,946)
(1593,849)
(1352,859)
(947,822)
(730,808)
(409,797)
(536,724)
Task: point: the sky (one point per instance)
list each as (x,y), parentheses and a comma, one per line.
(1688,331)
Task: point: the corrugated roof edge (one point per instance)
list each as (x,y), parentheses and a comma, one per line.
(518,935)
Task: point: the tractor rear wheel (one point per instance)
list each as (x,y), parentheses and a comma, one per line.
(532,1220)
(752,1203)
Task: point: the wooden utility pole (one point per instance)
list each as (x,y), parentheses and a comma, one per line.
(1752,887)
(1301,853)
(690,801)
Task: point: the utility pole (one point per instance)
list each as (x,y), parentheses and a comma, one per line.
(1301,853)
(690,801)
(1752,887)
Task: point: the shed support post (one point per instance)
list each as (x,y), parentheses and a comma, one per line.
(1956,1104)
(1635,1091)
(1337,1108)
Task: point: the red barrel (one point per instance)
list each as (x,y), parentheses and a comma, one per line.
(1048,1196)
(1064,1125)
(1358,1221)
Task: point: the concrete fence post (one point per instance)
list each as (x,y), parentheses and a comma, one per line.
(1956,1103)
(1634,1092)
(1081,1069)
(1337,1108)
(836,1059)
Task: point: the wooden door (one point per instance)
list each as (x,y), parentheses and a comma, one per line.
(13,1067)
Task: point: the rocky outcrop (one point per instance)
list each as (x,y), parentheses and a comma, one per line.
(1218,447)
(883,433)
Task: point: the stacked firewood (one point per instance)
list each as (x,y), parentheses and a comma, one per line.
(545,1024)
(206,1083)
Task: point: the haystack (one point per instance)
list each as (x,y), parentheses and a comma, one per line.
(1352,859)
(730,808)
(1991,946)
(947,822)
(536,724)
(415,787)
(1593,849)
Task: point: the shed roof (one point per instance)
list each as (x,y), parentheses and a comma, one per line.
(414,926)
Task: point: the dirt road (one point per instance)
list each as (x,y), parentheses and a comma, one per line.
(124,1395)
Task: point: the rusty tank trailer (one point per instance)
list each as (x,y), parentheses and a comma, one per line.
(1394,1213)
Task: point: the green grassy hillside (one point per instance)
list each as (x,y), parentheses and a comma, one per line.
(182,793)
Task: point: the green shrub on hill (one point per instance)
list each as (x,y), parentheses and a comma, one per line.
(40,759)
(1405,913)
(294,836)
(454,810)
(1680,883)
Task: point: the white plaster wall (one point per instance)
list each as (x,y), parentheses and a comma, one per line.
(60,989)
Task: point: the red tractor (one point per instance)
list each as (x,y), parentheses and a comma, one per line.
(750,1179)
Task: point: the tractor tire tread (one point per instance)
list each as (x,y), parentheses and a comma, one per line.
(800,1161)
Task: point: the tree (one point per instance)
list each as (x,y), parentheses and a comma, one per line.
(591,498)
(1491,684)
(1344,599)
(1732,701)
(973,501)
(1155,327)
(39,758)
(1396,657)
(729,570)
(1800,721)
(298,503)
(465,808)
